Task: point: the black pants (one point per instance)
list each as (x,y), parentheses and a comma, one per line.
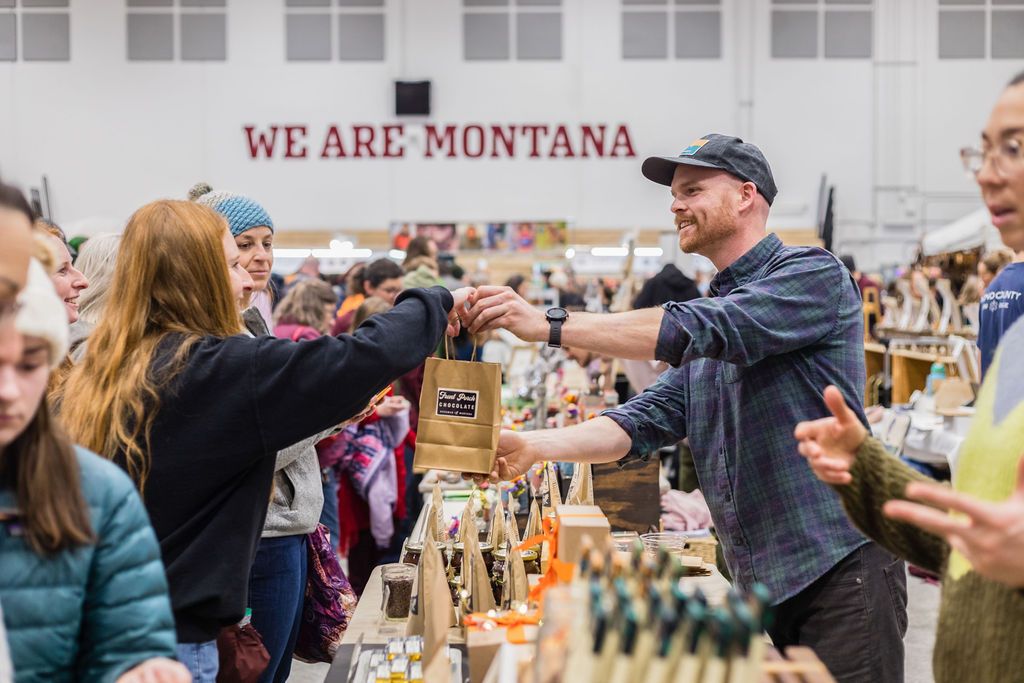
(854,617)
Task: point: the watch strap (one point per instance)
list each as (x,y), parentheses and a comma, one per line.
(555,333)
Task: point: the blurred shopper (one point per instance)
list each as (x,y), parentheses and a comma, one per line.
(991,264)
(382,279)
(669,284)
(1001,305)
(67,279)
(96,262)
(306,313)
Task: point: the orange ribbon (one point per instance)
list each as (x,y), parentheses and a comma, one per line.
(558,570)
(514,622)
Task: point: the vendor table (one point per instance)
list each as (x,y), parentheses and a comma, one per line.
(374,631)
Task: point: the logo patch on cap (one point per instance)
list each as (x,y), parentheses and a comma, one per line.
(693,148)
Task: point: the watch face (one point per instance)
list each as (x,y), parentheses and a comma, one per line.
(557,314)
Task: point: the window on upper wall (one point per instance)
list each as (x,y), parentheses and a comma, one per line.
(977,29)
(512,29)
(660,29)
(829,29)
(168,30)
(325,30)
(35,31)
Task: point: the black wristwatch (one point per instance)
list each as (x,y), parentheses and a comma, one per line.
(556,316)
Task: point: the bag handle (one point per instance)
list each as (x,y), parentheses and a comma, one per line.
(448,339)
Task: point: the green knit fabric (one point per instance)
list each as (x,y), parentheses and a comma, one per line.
(980,634)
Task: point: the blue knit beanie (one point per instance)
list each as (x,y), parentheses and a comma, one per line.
(242,213)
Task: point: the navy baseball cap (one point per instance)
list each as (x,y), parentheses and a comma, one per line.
(724,152)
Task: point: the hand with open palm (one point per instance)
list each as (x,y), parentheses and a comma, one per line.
(830,444)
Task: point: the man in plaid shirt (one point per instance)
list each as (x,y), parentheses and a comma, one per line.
(748,362)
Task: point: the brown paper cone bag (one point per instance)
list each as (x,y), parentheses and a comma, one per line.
(440,529)
(516,583)
(547,495)
(467,531)
(434,601)
(460,416)
(581,488)
(534,526)
(497,534)
(474,572)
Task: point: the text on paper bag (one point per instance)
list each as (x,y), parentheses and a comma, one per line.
(456,403)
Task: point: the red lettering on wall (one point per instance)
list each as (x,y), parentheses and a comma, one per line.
(505,137)
(364,141)
(592,139)
(262,142)
(471,141)
(622,141)
(561,147)
(333,147)
(532,130)
(440,140)
(294,144)
(473,145)
(392,136)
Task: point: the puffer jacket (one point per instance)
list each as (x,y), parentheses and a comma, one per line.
(89,614)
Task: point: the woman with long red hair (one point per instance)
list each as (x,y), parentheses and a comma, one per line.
(172,391)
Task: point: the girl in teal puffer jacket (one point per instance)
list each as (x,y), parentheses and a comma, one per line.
(82,585)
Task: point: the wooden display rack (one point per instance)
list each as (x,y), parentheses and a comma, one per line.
(910,371)
(874,364)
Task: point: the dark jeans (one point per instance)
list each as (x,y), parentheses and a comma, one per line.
(329,515)
(277,586)
(854,617)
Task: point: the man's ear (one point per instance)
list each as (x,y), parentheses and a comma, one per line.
(748,195)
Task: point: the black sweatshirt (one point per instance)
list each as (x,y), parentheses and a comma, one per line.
(221,422)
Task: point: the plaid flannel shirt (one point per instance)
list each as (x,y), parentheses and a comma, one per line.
(749,363)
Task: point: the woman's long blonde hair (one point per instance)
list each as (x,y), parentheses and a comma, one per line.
(171,278)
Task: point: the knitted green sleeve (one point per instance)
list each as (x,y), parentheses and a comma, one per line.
(878,477)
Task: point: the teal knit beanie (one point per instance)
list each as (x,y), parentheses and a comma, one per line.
(242,213)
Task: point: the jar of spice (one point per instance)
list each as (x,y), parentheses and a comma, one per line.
(531,560)
(498,574)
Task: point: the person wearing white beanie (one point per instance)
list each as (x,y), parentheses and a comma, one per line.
(41,313)
(82,529)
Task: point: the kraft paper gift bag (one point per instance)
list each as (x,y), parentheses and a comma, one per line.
(474,572)
(460,416)
(432,613)
(436,528)
(551,496)
(497,534)
(581,487)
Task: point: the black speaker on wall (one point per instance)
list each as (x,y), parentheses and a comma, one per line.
(412,98)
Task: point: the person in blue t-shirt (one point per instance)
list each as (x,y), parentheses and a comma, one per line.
(1001,305)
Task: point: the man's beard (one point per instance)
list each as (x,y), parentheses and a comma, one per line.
(703,233)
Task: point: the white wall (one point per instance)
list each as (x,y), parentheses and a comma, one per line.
(112,134)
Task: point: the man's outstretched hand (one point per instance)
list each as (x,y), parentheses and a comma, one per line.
(501,307)
(516,455)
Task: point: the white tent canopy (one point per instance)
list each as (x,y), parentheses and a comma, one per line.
(970,232)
